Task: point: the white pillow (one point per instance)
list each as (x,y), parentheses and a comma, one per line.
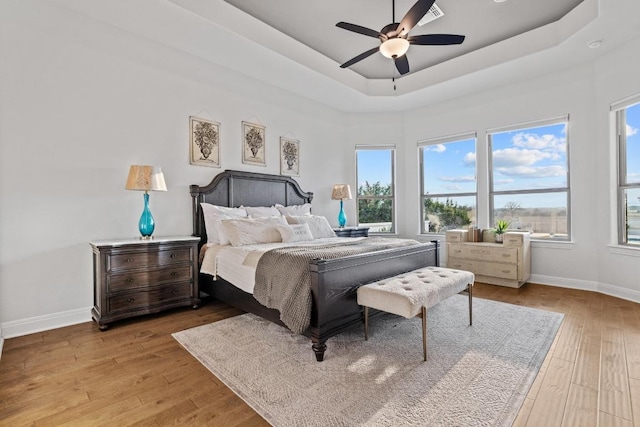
(249,231)
(213,215)
(295,209)
(262,211)
(295,233)
(318,225)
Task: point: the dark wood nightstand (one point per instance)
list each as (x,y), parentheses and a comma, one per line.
(352,232)
(134,277)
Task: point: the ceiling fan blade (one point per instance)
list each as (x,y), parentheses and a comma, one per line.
(402,64)
(436,39)
(414,15)
(360,57)
(359,29)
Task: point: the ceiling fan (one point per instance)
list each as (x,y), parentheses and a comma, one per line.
(395,39)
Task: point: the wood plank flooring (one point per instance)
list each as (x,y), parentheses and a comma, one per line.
(136,373)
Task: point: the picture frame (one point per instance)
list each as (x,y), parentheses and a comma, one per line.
(253,144)
(204,142)
(289,157)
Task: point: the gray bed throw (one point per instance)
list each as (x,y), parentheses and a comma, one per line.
(283,279)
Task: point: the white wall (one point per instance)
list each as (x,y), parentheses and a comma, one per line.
(591,260)
(80,102)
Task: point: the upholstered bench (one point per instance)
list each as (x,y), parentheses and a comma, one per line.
(411,294)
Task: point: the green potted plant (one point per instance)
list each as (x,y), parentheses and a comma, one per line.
(500,229)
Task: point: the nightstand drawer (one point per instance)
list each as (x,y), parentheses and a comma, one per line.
(142,279)
(460,264)
(504,271)
(513,239)
(132,301)
(132,260)
(480,252)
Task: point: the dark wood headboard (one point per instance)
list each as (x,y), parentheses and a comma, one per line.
(239,188)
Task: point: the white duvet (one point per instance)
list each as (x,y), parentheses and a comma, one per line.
(237,265)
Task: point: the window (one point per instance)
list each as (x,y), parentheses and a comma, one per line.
(448,183)
(375,177)
(627,126)
(529,178)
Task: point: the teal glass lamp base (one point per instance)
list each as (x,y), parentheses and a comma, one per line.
(342,218)
(146,223)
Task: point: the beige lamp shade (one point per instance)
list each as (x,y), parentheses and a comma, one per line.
(341,192)
(145,178)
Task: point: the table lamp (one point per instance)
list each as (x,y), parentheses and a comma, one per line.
(341,192)
(146,178)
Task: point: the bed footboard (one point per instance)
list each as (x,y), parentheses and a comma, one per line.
(334,283)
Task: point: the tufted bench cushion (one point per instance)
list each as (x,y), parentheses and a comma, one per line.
(412,293)
(406,294)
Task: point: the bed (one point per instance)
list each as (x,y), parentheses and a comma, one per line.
(334,282)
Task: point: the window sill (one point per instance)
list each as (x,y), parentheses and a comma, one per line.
(624,250)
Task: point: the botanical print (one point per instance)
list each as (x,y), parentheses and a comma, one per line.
(204,142)
(289,157)
(253,144)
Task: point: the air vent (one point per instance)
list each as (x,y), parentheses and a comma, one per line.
(434,13)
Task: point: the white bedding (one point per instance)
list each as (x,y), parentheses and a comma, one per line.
(237,265)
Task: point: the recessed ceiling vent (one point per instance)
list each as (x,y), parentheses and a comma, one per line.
(434,13)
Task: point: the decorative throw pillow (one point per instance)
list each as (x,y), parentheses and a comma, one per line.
(318,225)
(295,233)
(262,211)
(213,215)
(295,209)
(249,231)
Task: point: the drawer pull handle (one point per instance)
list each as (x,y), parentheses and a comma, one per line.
(506,255)
(506,271)
(129,259)
(130,280)
(175,292)
(173,255)
(174,274)
(129,299)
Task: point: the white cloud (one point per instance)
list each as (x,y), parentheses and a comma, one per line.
(467,178)
(511,157)
(546,142)
(502,181)
(453,187)
(469,159)
(438,148)
(631,130)
(533,171)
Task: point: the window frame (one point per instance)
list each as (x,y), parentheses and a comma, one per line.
(382,147)
(524,126)
(619,109)
(423,195)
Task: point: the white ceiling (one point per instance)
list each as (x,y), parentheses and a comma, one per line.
(483,22)
(219,33)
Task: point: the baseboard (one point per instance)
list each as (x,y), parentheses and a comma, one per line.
(587,285)
(46,322)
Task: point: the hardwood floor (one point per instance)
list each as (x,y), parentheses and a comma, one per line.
(136,373)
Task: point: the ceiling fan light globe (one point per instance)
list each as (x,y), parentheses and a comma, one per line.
(394,48)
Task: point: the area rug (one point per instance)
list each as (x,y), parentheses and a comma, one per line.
(475,375)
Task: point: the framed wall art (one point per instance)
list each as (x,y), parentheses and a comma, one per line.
(253,144)
(204,142)
(289,157)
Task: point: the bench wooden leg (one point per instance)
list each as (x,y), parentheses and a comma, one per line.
(424,332)
(366,323)
(469,290)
